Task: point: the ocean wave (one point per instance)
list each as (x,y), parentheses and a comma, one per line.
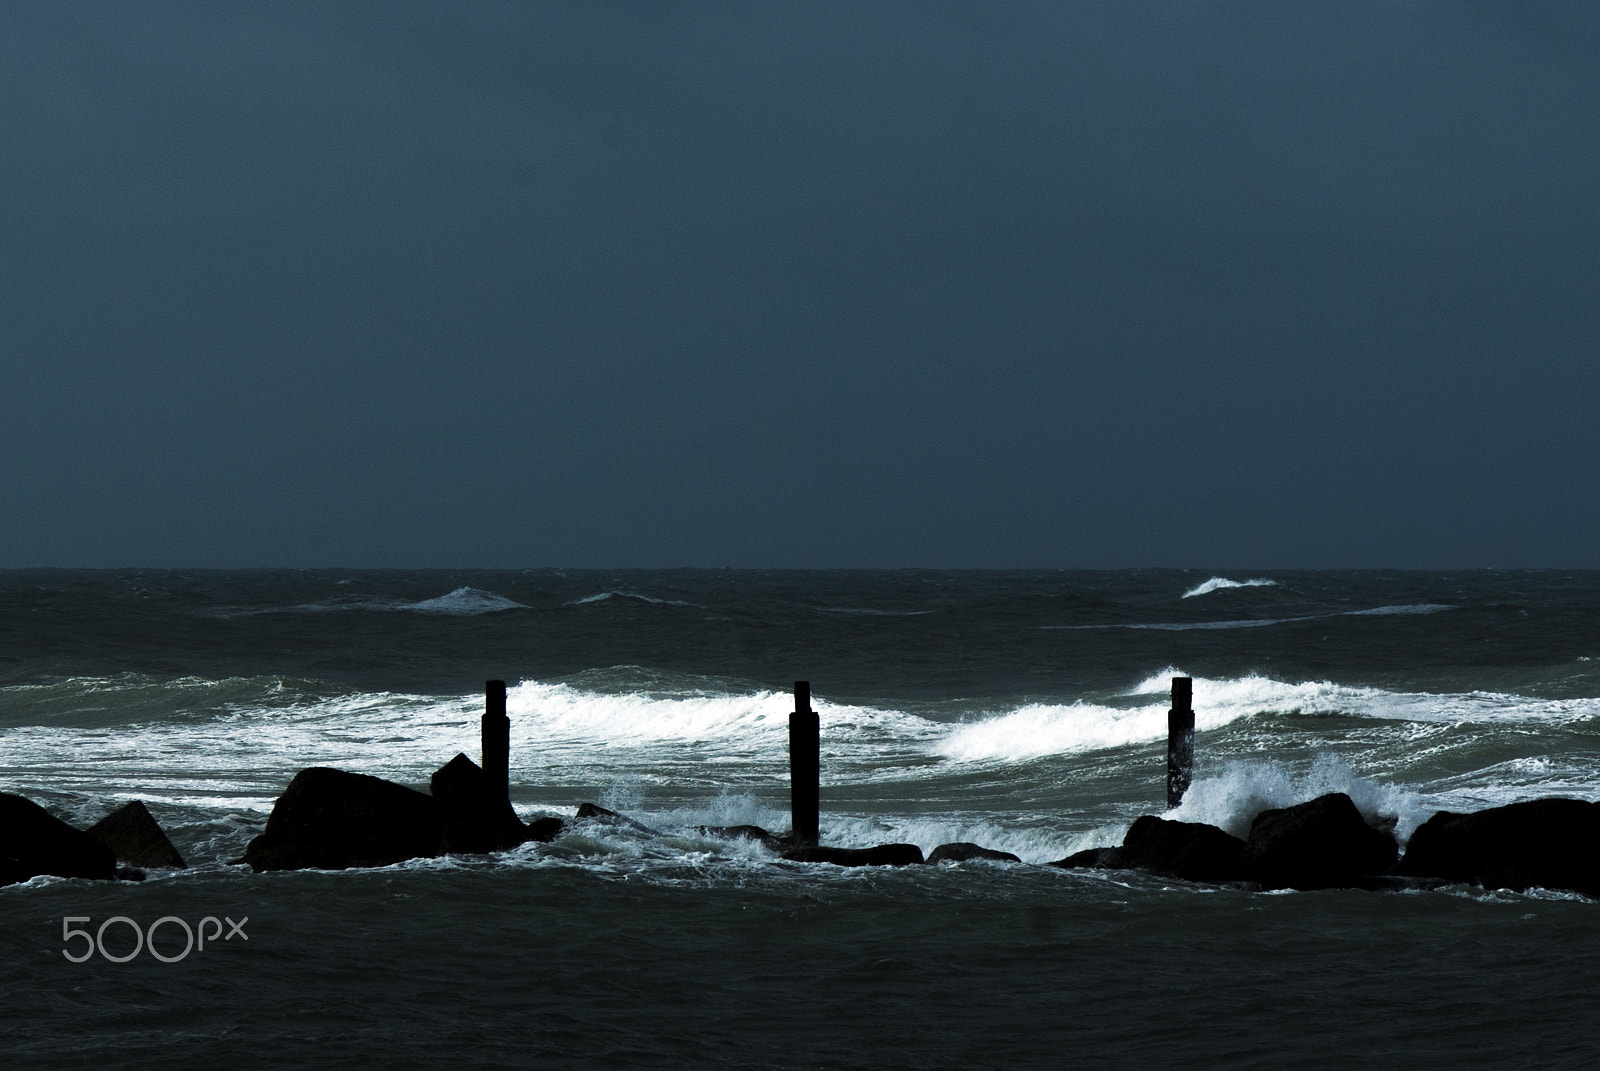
(465,602)
(462,602)
(557,714)
(1262,622)
(605,595)
(870,613)
(1039,730)
(1403,608)
(1217,583)
(1231,798)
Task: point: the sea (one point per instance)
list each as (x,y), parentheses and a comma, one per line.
(1021,710)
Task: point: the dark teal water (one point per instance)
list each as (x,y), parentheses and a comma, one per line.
(1020,710)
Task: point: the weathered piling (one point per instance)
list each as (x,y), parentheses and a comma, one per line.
(805,767)
(1180,740)
(496,750)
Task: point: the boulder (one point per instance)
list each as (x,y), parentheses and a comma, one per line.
(137,840)
(1088,859)
(1545,843)
(879,855)
(961,851)
(1320,844)
(33,841)
(1192,851)
(330,820)
(476,817)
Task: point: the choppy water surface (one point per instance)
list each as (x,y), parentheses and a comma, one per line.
(1025,711)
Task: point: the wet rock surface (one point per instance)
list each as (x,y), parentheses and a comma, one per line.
(962,851)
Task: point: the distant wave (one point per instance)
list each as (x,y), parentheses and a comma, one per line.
(604,595)
(1404,608)
(1261,622)
(465,602)
(871,613)
(1217,583)
(462,602)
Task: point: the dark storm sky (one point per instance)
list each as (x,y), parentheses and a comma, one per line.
(983,284)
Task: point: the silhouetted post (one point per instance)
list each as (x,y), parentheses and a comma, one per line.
(805,766)
(496,739)
(1180,740)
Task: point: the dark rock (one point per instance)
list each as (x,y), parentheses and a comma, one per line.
(1192,851)
(1545,843)
(12,871)
(769,840)
(611,818)
(1320,844)
(331,820)
(476,817)
(879,855)
(33,841)
(128,873)
(961,851)
(545,830)
(137,840)
(1088,859)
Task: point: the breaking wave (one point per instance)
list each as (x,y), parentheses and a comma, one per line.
(1217,583)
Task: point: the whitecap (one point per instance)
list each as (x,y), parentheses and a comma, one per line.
(464,602)
(1217,583)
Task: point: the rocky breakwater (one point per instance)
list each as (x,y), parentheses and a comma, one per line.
(1325,843)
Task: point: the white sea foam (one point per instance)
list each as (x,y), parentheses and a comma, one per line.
(1042,729)
(547,715)
(1233,797)
(1217,583)
(1404,608)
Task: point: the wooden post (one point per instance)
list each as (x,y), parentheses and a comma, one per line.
(496,749)
(805,767)
(1180,740)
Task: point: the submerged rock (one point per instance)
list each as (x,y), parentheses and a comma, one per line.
(771,841)
(476,818)
(879,855)
(961,851)
(33,841)
(136,838)
(611,818)
(1320,844)
(330,820)
(1544,843)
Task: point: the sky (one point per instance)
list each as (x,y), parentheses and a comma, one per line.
(970,285)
